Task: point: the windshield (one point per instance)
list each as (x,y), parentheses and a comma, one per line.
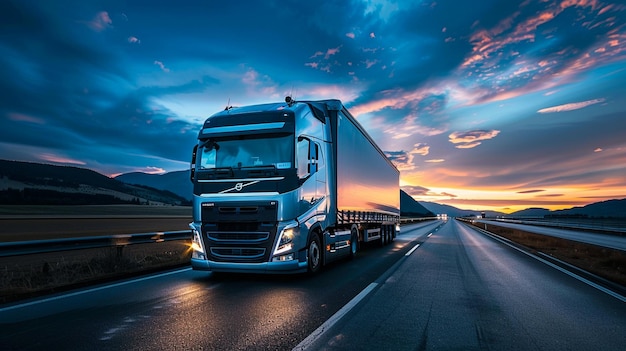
(276,152)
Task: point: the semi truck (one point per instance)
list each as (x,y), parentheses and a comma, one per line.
(288,187)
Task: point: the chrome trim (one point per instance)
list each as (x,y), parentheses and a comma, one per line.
(238,180)
(238,186)
(268,193)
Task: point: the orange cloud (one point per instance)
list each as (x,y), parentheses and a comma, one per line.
(60,159)
(472,138)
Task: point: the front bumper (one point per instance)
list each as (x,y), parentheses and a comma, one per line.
(287,267)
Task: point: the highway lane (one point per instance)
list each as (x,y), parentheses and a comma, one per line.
(462,290)
(605,240)
(185,309)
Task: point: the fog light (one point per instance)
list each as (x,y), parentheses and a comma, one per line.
(283,258)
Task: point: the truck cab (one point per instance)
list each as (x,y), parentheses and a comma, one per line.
(265,196)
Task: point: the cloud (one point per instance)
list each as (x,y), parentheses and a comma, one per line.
(415,190)
(100,22)
(419,191)
(20,117)
(162,66)
(134,40)
(152,170)
(350,35)
(401,159)
(530,191)
(571,106)
(60,159)
(330,52)
(472,138)
(404,160)
(421,149)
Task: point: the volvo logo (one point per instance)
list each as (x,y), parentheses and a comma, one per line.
(238,187)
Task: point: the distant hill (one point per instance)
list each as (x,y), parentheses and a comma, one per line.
(531,212)
(610,208)
(177,182)
(26,183)
(605,209)
(452,211)
(411,208)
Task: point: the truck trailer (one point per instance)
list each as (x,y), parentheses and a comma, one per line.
(287,188)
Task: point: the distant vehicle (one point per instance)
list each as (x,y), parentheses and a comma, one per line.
(288,187)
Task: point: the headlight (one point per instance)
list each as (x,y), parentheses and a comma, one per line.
(196,245)
(285,242)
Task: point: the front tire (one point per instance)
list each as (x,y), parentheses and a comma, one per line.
(314,254)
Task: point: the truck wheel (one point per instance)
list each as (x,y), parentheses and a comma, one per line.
(314,254)
(354,241)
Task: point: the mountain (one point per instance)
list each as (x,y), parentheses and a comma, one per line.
(26,183)
(177,182)
(531,212)
(411,208)
(452,211)
(610,208)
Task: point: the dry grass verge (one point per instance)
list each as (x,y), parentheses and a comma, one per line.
(34,275)
(604,262)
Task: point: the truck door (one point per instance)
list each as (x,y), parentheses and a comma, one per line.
(307,167)
(320,175)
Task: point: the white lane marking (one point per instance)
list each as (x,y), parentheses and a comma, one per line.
(91,290)
(322,329)
(411,251)
(571,274)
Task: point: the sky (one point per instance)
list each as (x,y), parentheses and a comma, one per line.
(490,105)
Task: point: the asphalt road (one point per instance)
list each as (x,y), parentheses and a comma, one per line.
(185,309)
(459,290)
(462,290)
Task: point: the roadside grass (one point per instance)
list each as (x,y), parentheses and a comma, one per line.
(604,262)
(28,276)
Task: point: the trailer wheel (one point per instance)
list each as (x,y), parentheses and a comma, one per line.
(314,254)
(354,241)
(383,236)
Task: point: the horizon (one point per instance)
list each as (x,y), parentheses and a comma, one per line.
(498,106)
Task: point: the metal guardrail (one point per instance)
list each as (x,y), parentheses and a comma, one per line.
(607,228)
(18,248)
(55,245)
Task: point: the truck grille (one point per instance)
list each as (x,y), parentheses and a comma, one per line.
(238,236)
(239,232)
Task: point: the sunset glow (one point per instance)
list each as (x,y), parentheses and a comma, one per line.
(491,105)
